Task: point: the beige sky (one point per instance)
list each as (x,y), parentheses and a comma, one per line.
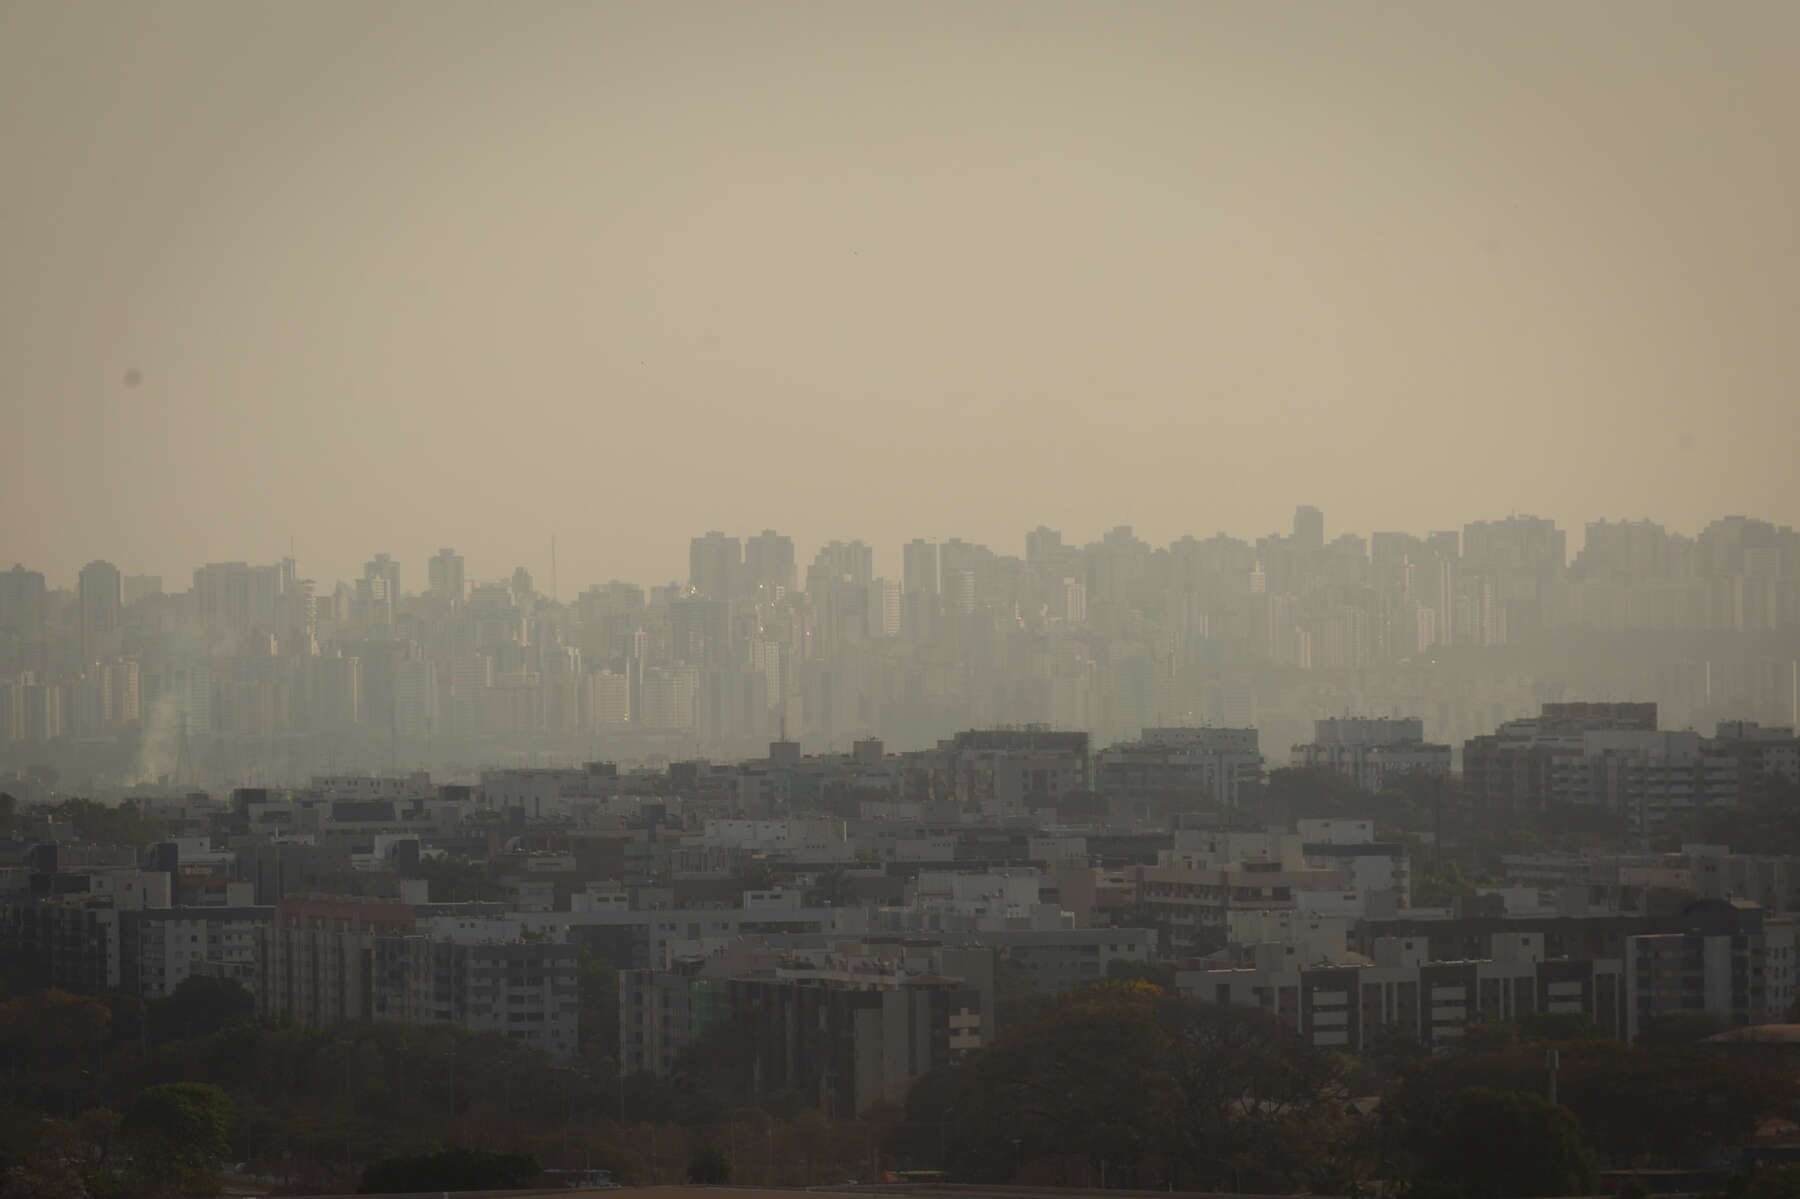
(409,274)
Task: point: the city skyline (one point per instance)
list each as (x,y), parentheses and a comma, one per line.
(608,272)
(887,558)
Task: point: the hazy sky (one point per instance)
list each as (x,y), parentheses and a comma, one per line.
(396,275)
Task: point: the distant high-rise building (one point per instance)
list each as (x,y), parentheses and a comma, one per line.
(1042,545)
(222,598)
(714,562)
(383,567)
(101,601)
(919,588)
(769,564)
(841,562)
(1309,527)
(884,608)
(919,567)
(22,606)
(1519,546)
(444,573)
(133,588)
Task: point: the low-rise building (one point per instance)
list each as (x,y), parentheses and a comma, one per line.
(1373,753)
(1350,1005)
(1728,960)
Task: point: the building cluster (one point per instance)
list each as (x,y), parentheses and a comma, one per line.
(253,666)
(854,918)
(1614,757)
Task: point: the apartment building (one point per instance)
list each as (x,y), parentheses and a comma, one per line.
(1349,1006)
(845,1027)
(1372,753)
(1730,959)
(161,949)
(315,961)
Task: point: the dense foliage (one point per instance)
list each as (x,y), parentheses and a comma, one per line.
(448,1170)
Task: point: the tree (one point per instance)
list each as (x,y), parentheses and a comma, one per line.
(199,1007)
(178,1132)
(1508,1144)
(449,1170)
(1776,1182)
(710,1167)
(1258,1105)
(1157,974)
(458,880)
(1560,1026)
(831,888)
(597,1016)
(1635,1105)
(1680,1028)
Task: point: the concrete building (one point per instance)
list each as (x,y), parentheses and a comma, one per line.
(1729,960)
(315,961)
(845,1028)
(999,770)
(101,604)
(483,980)
(1603,755)
(160,949)
(1196,903)
(1372,753)
(444,576)
(1225,765)
(1349,1006)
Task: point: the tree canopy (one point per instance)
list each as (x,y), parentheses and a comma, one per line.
(1507,1144)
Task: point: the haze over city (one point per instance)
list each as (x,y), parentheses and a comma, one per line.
(1196,597)
(337,276)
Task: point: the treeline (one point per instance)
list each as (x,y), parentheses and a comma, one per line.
(307,1110)
(1125,1084)
(1121,1084)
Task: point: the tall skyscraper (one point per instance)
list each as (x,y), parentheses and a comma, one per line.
(714,562)
(919,589)
(769,563)
(884,608)
(919,567)
(383,567)
(22,601)
(222,598)
(840,561)
(101,601)
(1309,528)
(444,574)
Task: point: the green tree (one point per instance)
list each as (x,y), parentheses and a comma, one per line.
(597,993)
(1776,1182)
(830,888)
(199,1007)
(710,1167)
(458,880)
(1258,1105)
(1157,974)
(1680,1028)
(1560,1026)
(1508,1144)
(177,1132)
(449,1170)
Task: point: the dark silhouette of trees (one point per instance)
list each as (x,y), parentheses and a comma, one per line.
(710,1167)
(1507,1144)
(1149,1088)
(178,1134)
(199,1007)
(449,1170)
